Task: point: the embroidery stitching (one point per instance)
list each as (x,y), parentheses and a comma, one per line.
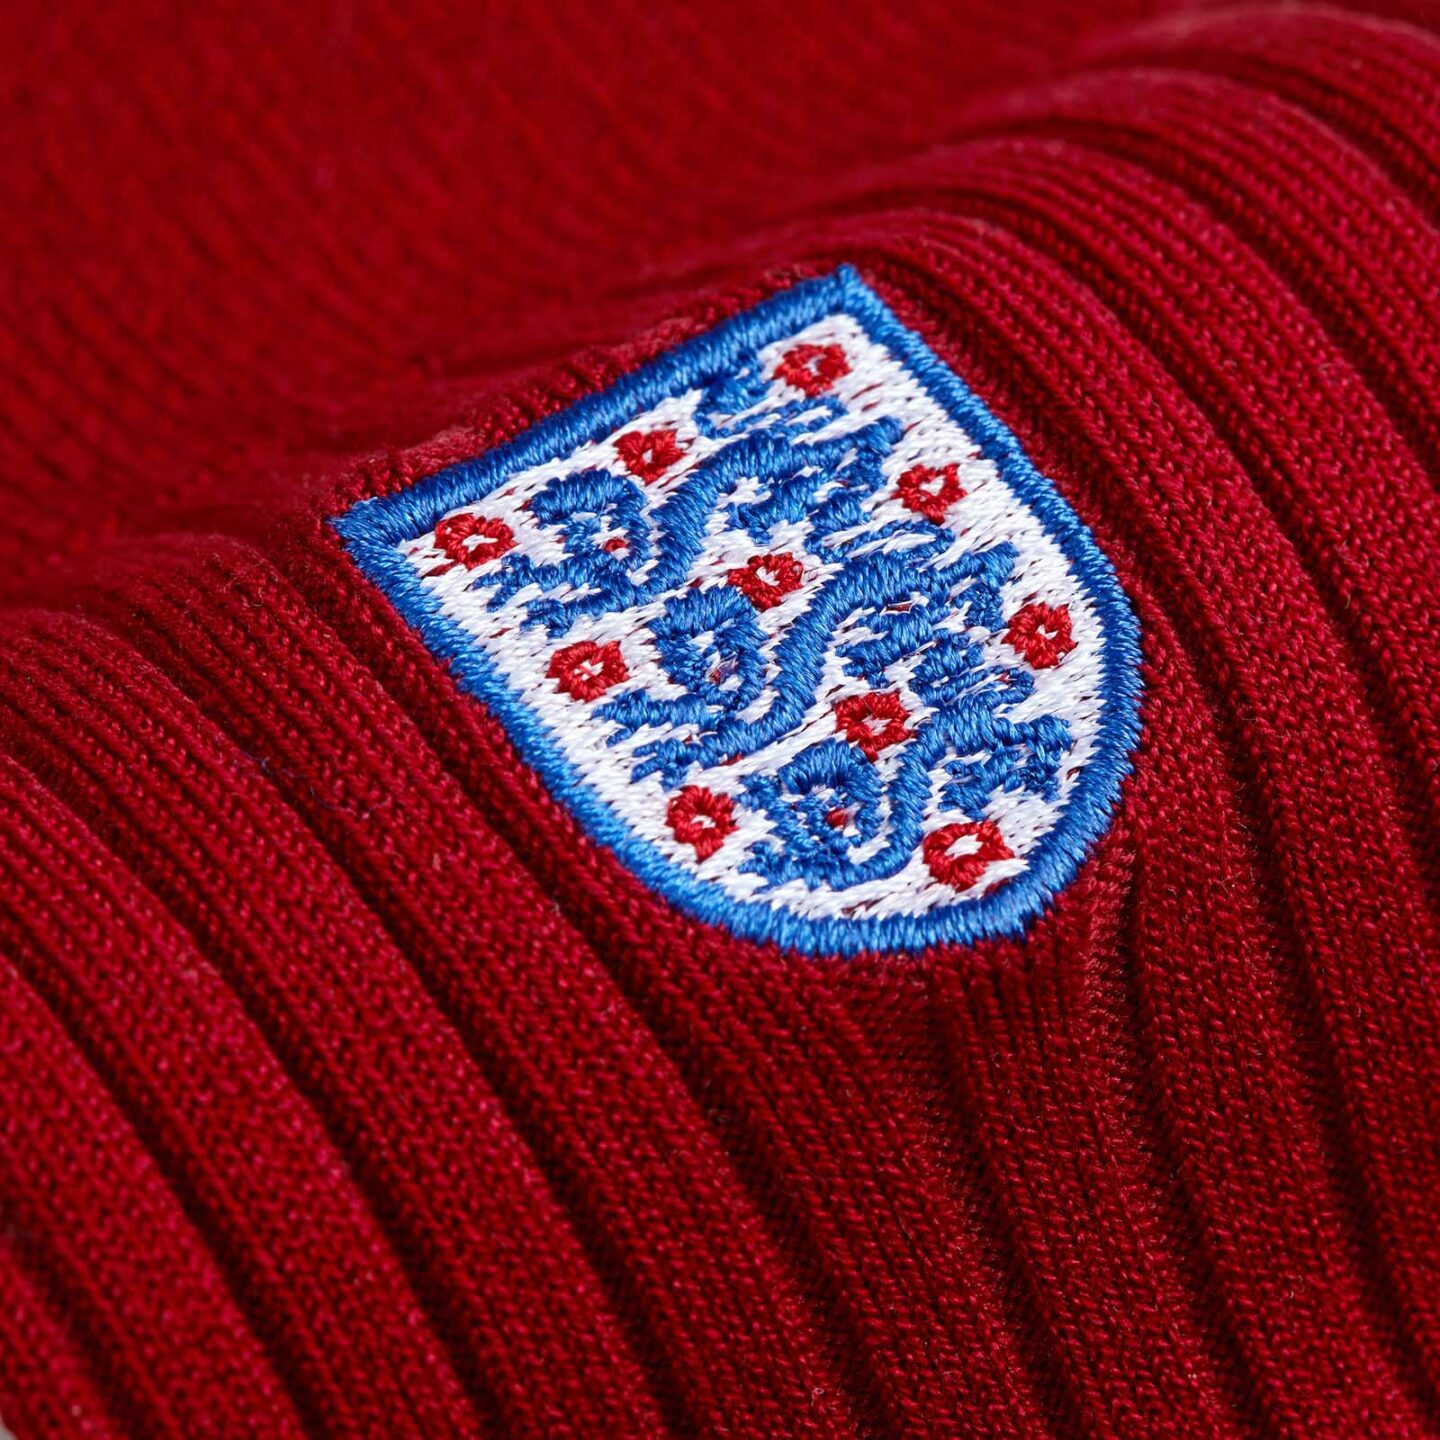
(791,624)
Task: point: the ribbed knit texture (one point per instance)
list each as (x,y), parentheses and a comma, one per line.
(347,1089)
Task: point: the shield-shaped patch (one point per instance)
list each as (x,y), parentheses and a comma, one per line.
(790,624)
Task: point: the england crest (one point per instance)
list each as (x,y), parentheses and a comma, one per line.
(791,625)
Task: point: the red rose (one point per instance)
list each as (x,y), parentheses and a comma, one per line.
(930,492)
(765,580)
(491,538)
(812,368)
(586,670)
(1041,633)
(648,454)
(701,818)
(961,870)
(874,722)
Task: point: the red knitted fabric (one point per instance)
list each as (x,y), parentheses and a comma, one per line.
(349,1085)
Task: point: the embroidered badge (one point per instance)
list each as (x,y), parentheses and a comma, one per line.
(791,624)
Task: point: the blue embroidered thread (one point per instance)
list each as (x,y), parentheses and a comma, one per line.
(938,718)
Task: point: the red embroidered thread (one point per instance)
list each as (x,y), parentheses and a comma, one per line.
(874,722)
(812,368)
(930,492)
(765,580)
(701,818)
(648,454)
(586,670)
(493,538)
(961,871)
(1041,633)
